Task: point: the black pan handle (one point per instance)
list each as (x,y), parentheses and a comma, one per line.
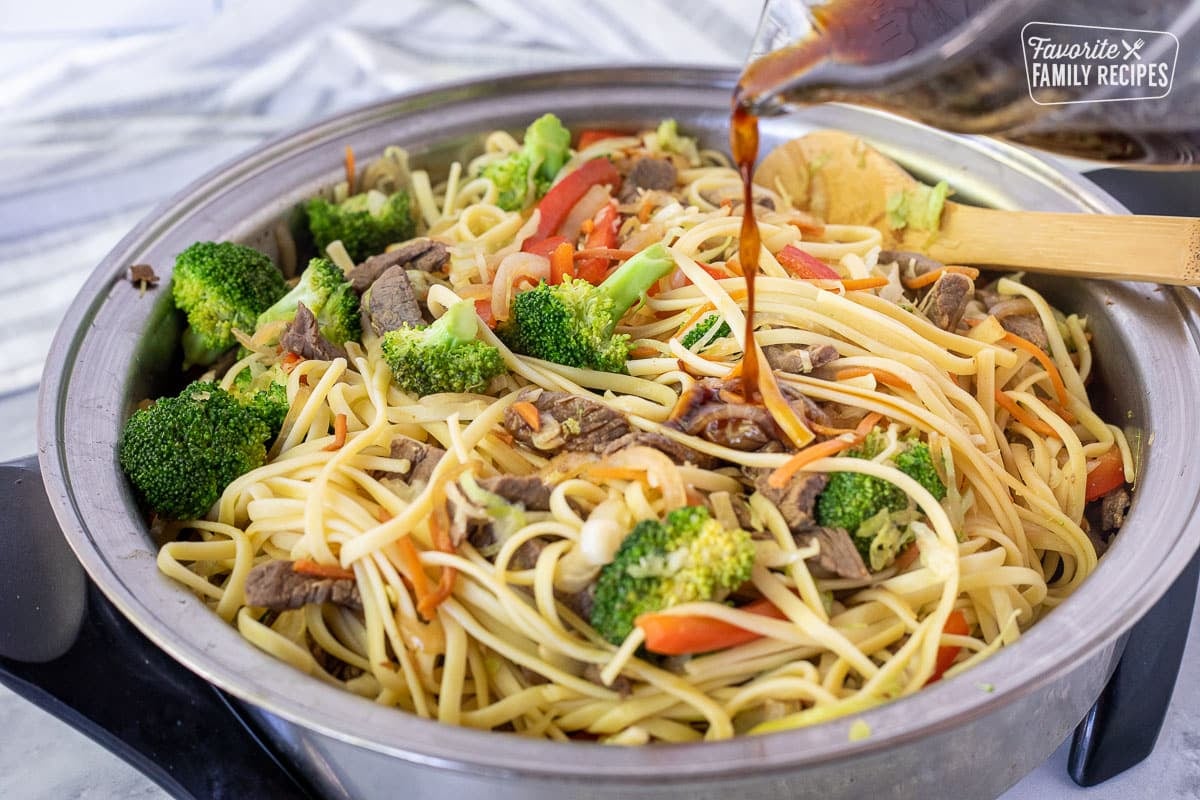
(1122,727)
(107,680)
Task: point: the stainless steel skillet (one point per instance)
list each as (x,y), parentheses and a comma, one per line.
(952,740)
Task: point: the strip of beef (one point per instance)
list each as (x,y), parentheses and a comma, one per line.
(799,359)
(947,300)
(303,337)
(651,174)
(1016,315)
(566,422)
(796,501)
(529,491)
(1113,507)
(422,458)
(391,303)
(677,452)
(919,263)
(277,585)
(838,557)
(712,410)
(1028,327)
(426,255)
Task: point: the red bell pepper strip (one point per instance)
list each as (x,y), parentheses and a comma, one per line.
(1108,474)
(956,625)
(804,265)
(603,234)
(684,634)
(542,247)
(589,137)
(562,263)
(483,307)
(559,201)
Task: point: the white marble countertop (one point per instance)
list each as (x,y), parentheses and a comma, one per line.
(126,101)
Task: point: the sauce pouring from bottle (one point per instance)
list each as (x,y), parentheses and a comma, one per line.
(743,140)
(758,385)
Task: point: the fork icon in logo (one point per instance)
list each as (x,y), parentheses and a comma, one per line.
(1132,49)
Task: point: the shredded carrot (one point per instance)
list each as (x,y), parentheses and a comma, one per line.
(339,433)
(862,284)
(605,252)
(562,263)
(1060,388)
(643,352)
(780,477)
(382,514)
(645,210)
(807,224)
(606,473)
(410,565)
(696,316)
(304,566)
(933,275)
(587,227)
(504,436)
(439,527)
(350,171)
(734,267)
(291,361)
(883,376)
(1023,416)
(528,412)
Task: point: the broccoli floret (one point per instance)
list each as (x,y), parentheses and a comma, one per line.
(442,357)
(688,557)
(221,286)
(699,331)
(323,288)
(852,501)
(543,153)
(181,452)
(572,323)
(916,462)
(263,391)
(364,223)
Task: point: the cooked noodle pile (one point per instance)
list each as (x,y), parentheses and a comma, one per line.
(491,633)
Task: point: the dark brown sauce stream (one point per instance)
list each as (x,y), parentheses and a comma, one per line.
(743,142)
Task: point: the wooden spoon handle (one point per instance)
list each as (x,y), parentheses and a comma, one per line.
(1134,248)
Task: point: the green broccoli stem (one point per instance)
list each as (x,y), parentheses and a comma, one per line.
(286,307)
(631,281)
(195,351)
(457,326)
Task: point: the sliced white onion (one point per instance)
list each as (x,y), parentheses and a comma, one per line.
(588,206)
(513,267)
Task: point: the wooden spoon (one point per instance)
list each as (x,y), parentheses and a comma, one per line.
(841,179)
